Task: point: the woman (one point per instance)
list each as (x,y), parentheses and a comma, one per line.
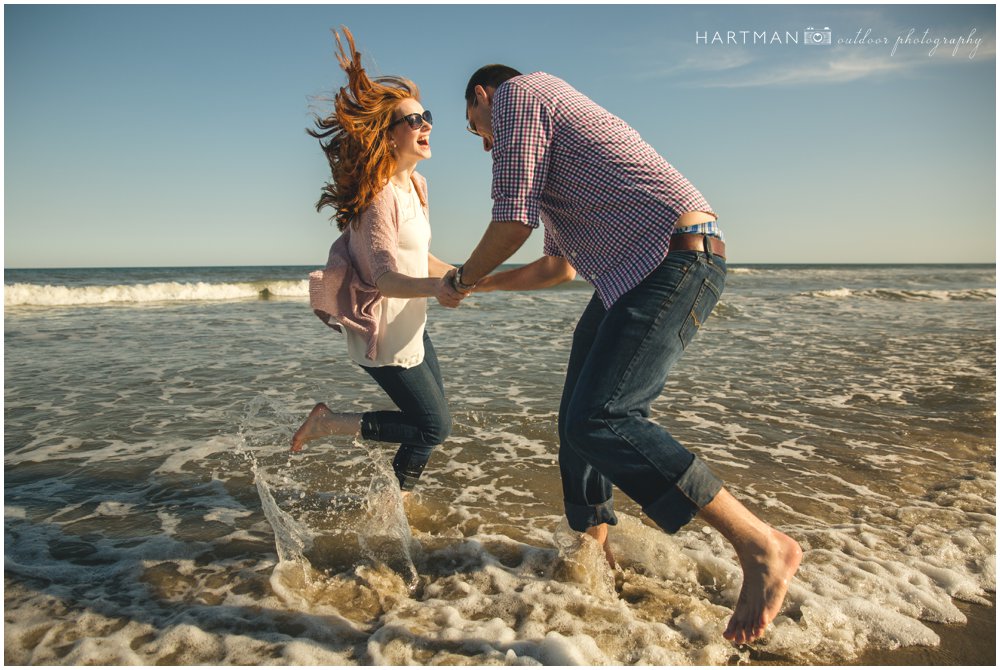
(380,270)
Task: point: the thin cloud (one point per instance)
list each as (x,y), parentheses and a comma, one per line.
(840,68)
(695,65)
(833,71)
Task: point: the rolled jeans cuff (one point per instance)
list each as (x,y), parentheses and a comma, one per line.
(695,489)
(582,517)
(369,426)
(409,464)
(410,460)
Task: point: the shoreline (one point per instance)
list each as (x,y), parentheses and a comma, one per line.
(971,643)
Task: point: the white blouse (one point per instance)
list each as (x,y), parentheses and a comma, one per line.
(401,330)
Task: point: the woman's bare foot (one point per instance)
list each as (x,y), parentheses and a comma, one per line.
(767,571)
(321,422)
(600,533)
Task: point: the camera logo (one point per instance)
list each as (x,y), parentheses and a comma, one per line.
(816,37)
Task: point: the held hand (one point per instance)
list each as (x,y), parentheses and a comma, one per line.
(447,296)
(450,280)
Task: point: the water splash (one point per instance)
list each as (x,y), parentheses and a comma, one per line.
(332,509)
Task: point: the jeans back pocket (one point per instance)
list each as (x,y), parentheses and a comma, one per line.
(704,303)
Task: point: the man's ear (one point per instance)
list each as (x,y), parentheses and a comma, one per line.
(484,96)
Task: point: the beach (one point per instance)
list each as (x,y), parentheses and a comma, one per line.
(960,644)
(153,514)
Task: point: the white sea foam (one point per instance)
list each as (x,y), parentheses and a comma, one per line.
(17,295)
(12,512)
(490,599)
(902,295)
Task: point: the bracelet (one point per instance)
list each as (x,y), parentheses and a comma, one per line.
(458,284)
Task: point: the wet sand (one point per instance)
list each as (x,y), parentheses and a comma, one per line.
(971,644)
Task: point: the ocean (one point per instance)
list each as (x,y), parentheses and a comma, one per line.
(153,514)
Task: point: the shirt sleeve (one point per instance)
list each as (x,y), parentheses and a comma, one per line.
(522,133)
(550,247)
(378,235)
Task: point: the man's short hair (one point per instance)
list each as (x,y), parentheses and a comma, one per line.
(488,75)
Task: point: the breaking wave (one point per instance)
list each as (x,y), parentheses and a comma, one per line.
(15,295)
(900,295)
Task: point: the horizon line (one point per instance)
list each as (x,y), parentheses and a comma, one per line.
(316,265)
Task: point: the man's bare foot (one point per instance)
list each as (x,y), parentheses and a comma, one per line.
(600,533)
(321,422)
(769,559)
(767,571)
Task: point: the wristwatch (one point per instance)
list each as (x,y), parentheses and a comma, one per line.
(458,284)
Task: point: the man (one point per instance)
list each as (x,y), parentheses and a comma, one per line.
(628,222)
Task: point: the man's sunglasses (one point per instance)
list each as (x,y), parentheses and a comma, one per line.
(415,120)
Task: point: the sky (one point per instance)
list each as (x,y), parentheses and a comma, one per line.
(174,135)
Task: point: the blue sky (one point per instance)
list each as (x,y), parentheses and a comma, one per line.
(174,135)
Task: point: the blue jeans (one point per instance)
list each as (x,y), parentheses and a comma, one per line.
(618,365)
(422,421)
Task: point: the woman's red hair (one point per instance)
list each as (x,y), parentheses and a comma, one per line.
(355,138)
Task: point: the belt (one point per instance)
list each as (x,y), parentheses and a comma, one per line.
(696,242)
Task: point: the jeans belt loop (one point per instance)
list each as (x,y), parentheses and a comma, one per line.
(708,248)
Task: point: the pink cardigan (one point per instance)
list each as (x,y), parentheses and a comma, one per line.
(344,294)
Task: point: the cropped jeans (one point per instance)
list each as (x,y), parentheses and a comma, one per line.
(618,366)
(422,420)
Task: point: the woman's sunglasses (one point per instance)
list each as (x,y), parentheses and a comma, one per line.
(415,120)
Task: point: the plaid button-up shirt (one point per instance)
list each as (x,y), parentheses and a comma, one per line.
(609,202)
